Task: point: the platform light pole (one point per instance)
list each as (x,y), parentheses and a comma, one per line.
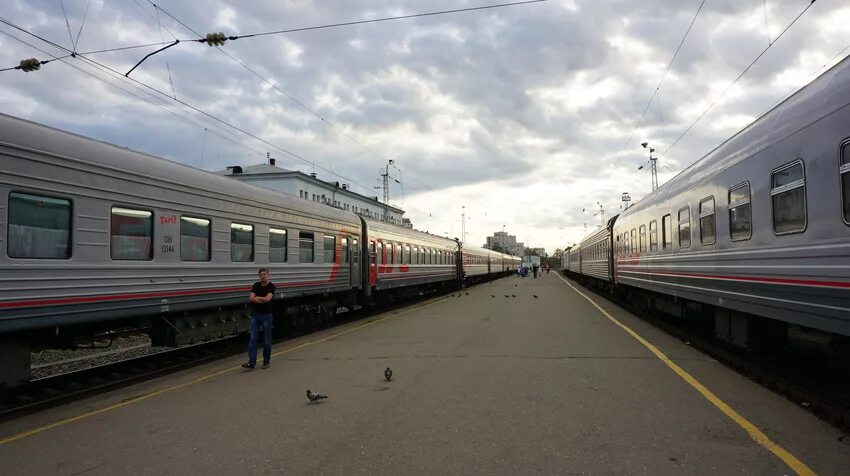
(463,223)
(652,165)
(626,198)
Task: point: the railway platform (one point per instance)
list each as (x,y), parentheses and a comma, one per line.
(515,376)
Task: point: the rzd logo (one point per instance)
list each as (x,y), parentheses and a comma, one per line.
(167,220)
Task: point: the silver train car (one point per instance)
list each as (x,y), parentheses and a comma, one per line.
(758,230)
(99,237)
(404,258)
(478,263)
(595,254)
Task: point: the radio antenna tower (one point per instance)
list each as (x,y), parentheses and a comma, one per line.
(385,185)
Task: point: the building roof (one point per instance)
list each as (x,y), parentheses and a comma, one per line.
(270,171)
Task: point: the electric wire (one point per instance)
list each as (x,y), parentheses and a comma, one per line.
(812,2)
(287,94)
(657,88)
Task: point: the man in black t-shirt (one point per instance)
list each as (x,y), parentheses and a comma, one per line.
(261,300)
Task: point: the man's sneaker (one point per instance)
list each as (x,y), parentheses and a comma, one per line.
(266,365)
(246,365)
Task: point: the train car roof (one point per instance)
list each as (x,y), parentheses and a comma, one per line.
(385,227)
(23,134)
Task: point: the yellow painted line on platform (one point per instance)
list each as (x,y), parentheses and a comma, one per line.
(146,396)
(798,466)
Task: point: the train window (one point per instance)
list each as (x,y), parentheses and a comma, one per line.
(667,232)
(373,253)
(131,234)
(398,257)
(653,235)
(788,191)
(379,254)
(422,255)
(345,249)
(278,245)
(194,239)
(642,237)
(740,213)
(685,228)
(407,255)
(39,227)
(329,248)
(305,247)
(241,242)
(633,241)
(844,170)
(707,226)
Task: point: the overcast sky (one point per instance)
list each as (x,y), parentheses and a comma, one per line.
(521,114)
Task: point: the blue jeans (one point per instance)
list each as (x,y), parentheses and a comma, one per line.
(266,321)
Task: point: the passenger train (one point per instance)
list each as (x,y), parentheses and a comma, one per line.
(98,236)
(754,236)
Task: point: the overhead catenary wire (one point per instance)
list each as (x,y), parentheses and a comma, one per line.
(164,109)
(663,76)
(186,104)
(812,2)
(287,94)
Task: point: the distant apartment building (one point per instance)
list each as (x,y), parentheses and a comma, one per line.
(309,187)
(502,241)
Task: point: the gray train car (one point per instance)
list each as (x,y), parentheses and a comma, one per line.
(510,263)
(761,225)
(479,263)
(97,233)
(595,254)
(400,257)
(574,260)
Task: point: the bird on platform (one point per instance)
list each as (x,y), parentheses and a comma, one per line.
(535,296)
(516,286)
(506,295)
(513,295)
(467,294)
(388,374)
(492,295)
(314,397)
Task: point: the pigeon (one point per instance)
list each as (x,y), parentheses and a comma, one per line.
(516,286)
(314,397)
(535,296)
(467,294)
(506,295)
(492,295)
(513,295)
(388,374)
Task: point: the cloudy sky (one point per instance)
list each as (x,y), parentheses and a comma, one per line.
(526,115)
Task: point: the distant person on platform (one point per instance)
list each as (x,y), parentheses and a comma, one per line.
(536,269)
(261,301)
(548,268)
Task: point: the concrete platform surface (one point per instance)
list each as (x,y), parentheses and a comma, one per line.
(483,384)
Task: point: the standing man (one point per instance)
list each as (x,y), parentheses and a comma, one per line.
(261,300)
(535,268)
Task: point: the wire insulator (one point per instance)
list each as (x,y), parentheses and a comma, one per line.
(215,39)
(28,65)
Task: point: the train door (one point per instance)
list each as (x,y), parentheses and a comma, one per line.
(373,263)
(354,261)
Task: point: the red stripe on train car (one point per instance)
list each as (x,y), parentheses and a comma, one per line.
(754,279)
(160,294)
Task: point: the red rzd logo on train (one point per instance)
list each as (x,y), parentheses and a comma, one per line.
(167,220)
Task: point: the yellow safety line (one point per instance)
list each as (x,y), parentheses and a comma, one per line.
(146,396)
(798,466)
